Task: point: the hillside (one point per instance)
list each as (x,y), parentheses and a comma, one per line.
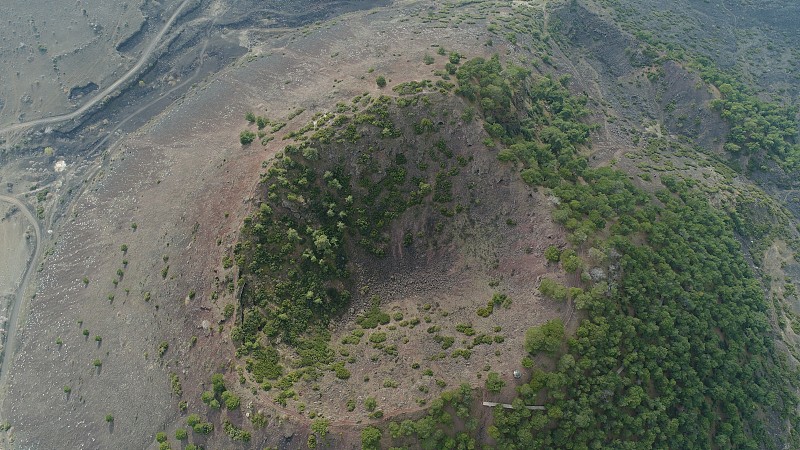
(385,221)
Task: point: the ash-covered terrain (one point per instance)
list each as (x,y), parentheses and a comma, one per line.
(413,224)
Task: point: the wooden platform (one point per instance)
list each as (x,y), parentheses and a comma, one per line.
(507,406)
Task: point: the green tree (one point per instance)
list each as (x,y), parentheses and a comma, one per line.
(545,338)
(231,400)
(370,438)
(552,254)
(192,420)
(494,383)
(203,428)
(218,382)
(246,137)
(381,81)
(552,289)
(571,262)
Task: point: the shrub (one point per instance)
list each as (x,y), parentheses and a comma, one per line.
(545,338)
(466,329)
(181,434)
(192,420)
(161,437)
(246,137)
(550,288)
(381,81)
(552,254)
(373,316)
(235,433)
(320,426)
(232,401)
(259,420)
(485,311)
(227,312)
(218,382)
(341,372)
(370,438)
(203,428)
(175,381)
(494,383)
(570,261)
(527,362)
(206,397)
(377,338)
(499,299)
(370,403)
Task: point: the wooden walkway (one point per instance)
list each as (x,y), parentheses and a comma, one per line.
(507,406)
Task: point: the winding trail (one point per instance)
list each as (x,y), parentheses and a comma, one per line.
(160,98)
(18,303)
(107,91)
(19,299)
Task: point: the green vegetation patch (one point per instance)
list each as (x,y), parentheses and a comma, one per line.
(676,351)
(321,204)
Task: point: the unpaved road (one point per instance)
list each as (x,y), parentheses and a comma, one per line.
(107,91)
(19,299)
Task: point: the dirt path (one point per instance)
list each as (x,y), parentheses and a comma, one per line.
(19,299)
(160,98)
(107,91)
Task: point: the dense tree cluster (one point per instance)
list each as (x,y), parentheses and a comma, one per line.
(757,127)
(434,431)
(676,351)
(320,203)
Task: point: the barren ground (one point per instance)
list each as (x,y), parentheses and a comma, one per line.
(15,251)
(45,46)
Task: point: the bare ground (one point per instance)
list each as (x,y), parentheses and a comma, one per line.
(16,249)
